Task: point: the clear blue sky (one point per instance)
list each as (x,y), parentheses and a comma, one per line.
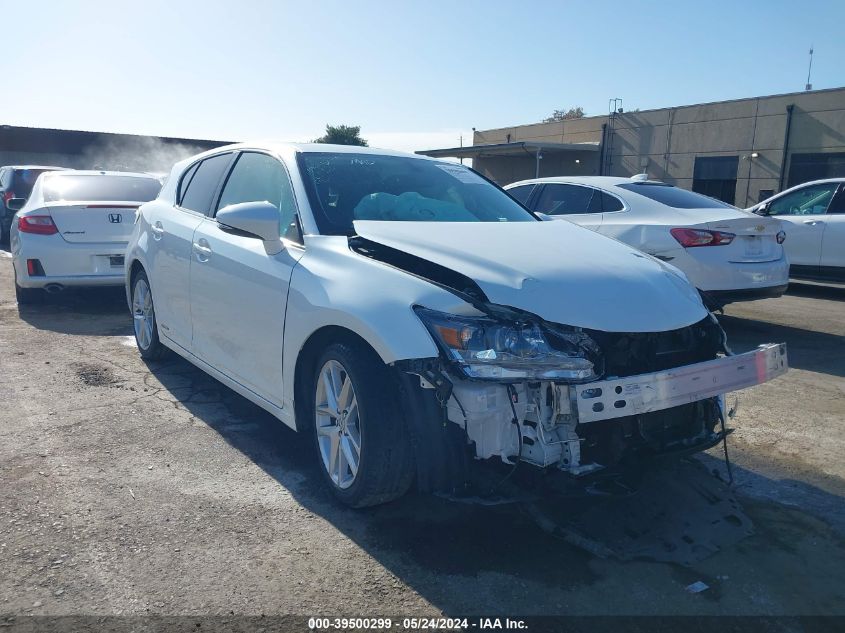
(412,74)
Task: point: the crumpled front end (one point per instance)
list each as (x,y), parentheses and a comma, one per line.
(648,394)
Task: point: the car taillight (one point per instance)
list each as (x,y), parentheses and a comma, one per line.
(781,237)
(40,224)
(689,238)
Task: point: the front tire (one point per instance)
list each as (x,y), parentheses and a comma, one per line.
(143,319)
(362,446)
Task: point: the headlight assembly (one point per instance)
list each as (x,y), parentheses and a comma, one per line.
(486,348)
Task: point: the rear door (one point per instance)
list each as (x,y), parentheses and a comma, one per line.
(577,203)
(172,232)
(804,212)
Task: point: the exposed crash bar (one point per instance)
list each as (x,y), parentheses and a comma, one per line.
(664,389)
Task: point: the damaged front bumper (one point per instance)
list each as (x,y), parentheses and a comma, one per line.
(580,429)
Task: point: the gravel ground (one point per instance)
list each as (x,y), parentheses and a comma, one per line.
(128,488)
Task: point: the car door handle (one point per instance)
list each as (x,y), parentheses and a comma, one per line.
(158,230)
(813,222)
(202,250)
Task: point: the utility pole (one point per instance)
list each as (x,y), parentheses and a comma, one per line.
(462,144)
(809,86)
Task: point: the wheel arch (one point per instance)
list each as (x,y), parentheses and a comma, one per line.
(306,364)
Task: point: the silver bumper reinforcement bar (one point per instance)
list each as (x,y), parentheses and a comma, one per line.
(632,395)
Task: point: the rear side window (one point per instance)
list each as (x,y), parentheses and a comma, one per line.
(674,197)
(261,178)
(521,193)
(100,188)
(610,203)
(565,200)
(200,190)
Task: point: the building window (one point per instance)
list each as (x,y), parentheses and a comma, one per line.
(765,194)
(715,176)
(807,167)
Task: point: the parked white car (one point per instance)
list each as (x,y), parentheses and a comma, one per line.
(74,228)
(410,316)
(728,254)
(814,216)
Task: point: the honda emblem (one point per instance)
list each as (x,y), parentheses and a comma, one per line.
(115,218)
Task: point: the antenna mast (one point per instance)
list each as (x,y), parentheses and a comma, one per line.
(809,86)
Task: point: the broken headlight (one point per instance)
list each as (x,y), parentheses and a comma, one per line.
(485,348)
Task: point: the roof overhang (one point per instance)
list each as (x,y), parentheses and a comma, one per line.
(519,148)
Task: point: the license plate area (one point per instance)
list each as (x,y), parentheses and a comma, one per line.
(619,397)
(753,246)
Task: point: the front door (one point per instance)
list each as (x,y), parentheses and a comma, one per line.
(804,213)
(238,291)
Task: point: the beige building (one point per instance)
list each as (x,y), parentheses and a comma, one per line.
(739,151)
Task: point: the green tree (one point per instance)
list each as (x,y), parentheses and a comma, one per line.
(342,135)
(562,115)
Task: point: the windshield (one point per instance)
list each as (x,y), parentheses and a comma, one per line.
(344,187)
(674,197)
(100,188)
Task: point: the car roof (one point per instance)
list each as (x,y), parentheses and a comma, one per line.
(596,181)
(100,172)
(36,167)
(285,146)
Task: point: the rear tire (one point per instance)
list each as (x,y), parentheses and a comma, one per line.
(29,296)
(359,422)
(143,319)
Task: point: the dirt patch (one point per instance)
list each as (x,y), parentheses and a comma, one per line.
(93,375)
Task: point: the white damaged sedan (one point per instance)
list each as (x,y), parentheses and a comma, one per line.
(411,317)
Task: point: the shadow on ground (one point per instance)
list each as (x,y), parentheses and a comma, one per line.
(807,349)
(86,311)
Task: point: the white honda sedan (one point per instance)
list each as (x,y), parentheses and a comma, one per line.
(814,214)
(411,317)
(728,254)
(74,228)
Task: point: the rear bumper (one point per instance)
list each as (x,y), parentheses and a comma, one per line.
(65,263)
(718,298)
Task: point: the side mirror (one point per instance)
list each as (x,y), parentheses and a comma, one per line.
(762,209)
(259,219)
(15,204)
(544,217)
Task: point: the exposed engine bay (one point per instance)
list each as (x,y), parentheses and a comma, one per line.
(661,393)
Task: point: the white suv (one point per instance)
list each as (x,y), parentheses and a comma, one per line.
(411,317)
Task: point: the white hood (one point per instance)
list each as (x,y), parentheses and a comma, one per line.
(561,272)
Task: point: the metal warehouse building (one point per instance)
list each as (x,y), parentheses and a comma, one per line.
(739,151)
(95,150)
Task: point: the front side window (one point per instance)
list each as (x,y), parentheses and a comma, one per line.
(673,196)
(261,178)
(203,184)
(566,200)
(344,187)
(100,188)
(811,200)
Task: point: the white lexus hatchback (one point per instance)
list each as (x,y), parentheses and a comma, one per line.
(728,254)
(74,228)
(411,317)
